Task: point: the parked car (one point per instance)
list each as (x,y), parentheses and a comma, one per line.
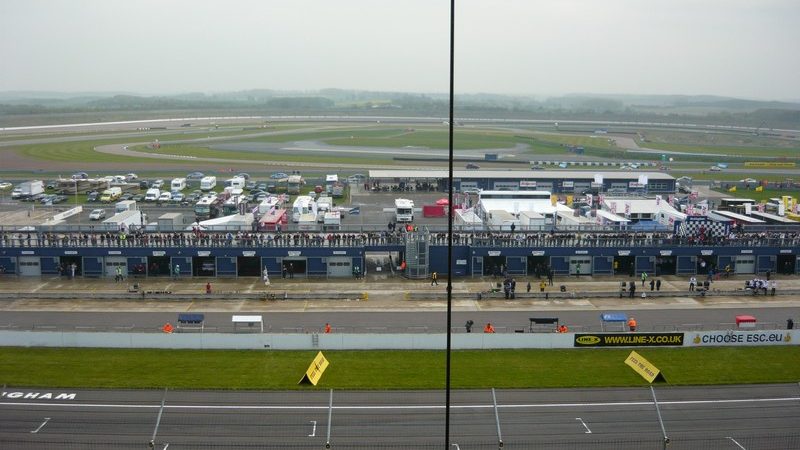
(97,214)
(195,176)
(144,184)
(93,196)
(177,197)
(250,185)
(5,185)
(126,196)
(138,197)
(278,176)
(59,198)
(262,186)
(51,185)
(472,166)
(165,197)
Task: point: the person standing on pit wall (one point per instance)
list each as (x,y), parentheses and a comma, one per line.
(644,278)
(652,285)
(468,325)
(488,328)
(658,284)
(208,288)
(550,276)
(542,285)
(632,289)
(434,278)
(632,324)
(528,287)
(773,285)
(291,270)
(692,283)
(176,271)
(328,328)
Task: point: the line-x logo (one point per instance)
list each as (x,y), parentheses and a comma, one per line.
(38,395)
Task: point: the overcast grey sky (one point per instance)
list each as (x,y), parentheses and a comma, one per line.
(725,47)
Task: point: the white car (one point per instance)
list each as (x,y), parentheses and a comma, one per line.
(177,197)
(715,168)
(4,186)
(97,214)
(157,184)
(165,197)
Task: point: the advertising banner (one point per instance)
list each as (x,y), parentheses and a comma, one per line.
(628,340)
(740,338)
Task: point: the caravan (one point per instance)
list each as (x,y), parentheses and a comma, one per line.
(208,183)
(178,184)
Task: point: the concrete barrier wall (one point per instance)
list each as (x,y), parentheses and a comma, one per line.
(258,341)
(282,341)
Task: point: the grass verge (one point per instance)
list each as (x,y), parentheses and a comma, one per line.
(250,369)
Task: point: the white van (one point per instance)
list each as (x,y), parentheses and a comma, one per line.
(152,195)
(178,184)
(165,197)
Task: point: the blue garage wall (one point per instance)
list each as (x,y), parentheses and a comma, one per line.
(316,266)
(226,266)
(9,265)
(687,265)
(50,264)
(646,264)
(603,265)
(92,266)
(766,263)
(516,265)
(560,265)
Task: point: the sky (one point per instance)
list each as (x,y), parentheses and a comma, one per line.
(739,48)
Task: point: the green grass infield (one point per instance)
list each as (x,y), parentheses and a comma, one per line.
(471,369)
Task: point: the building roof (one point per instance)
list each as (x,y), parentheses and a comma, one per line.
(518,174)
(639,205)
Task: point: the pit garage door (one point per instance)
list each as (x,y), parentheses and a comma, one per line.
(30,266)
(580,265)
(745,264)
(340,266)
(111,264)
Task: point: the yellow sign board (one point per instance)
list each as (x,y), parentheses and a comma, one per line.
(643,367)
(315,370)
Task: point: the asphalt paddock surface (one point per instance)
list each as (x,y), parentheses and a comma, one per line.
(729,417)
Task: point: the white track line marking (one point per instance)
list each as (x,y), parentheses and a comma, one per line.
(397,407)
(588,431)
(456,446)
(734,441)
(314,429)
(46,419)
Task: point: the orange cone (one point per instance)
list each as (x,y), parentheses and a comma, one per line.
(167,328)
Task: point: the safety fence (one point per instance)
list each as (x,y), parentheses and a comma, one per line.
(762,442)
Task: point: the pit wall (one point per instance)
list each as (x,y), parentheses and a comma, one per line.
(461,341)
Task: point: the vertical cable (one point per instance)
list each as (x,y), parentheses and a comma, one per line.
(450,231)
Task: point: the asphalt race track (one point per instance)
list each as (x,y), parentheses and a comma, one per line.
(730,417)
(390,322)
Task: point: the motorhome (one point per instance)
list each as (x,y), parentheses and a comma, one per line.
(303,205)
(208,183)
(404,210)
(209,207)
(111,194)
(152,195)
(177,185)
(294,183)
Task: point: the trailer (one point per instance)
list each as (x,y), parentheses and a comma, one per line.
(125,205)
(177,184)
(208,183)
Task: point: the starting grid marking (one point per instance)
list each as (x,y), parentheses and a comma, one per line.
(400,407)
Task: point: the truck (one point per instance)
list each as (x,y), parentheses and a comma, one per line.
(404,210)
(332,221)
(28,189)
(152,194)
(324,204)
(208,183)
(177,185)
(123,221)
(125,205)
(111,194)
